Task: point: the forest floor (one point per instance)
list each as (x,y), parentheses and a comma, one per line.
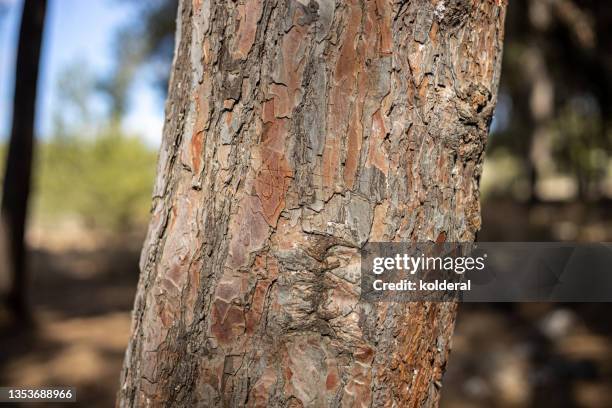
(82,294)
(504,355)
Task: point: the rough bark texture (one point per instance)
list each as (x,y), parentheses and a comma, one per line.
(295,132)
(17,176)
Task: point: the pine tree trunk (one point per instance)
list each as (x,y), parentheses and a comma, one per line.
(296,132)
(18,171)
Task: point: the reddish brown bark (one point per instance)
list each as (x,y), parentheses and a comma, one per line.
(295,133)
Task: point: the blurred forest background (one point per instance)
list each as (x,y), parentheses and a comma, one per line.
(547,177)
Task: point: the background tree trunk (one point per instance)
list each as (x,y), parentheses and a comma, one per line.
(17,176)
(296,132)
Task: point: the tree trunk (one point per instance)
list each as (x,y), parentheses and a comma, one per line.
(296,132)
(18,171)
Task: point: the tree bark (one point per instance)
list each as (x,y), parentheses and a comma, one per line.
(295,133)
(17,176)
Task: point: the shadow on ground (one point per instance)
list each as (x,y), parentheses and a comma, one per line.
(81,304)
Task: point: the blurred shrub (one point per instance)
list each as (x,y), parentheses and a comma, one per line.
(582,145)
(105,180)
(503,176)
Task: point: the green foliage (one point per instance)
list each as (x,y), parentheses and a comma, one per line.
(505,176)
(106,180)
(581,143)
